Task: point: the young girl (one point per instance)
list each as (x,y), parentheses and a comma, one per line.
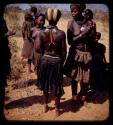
(99,75)
(28,43)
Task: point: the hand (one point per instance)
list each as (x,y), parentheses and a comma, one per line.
(80,35)
(12,33)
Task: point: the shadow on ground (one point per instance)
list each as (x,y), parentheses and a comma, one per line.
(23,84)
(24,102)
(98,97)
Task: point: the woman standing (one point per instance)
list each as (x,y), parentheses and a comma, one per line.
(78,63)
(53,46)
(37,53)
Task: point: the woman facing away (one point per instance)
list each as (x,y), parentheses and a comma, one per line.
(53,46)
(81,36)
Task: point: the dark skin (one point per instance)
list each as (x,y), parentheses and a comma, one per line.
(75,13)
(40,21)
(59,39)
(77,16)
(87,17)
(76,37)
(98,37)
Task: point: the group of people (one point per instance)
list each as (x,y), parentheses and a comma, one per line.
(46,48)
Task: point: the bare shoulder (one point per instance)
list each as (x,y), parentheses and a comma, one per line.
(70,24)
(33,29)
(61,32)
(91,22)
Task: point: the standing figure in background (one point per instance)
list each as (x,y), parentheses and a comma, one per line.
(28,43)
(37,53)
(53,46)
(33,12)
(99,81)
(81,36)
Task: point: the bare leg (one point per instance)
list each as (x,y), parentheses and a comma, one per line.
(46,108)
(74,90)
(29,66)
(57,105)
(84,89)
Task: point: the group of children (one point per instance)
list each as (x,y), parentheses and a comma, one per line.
(46,48)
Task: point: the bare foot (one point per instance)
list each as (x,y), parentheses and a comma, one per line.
(45,108)
(74,98)
(58,112)
(83,100)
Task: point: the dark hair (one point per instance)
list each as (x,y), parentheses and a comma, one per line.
(34,9)
(89,13)
(81,7)
(28,16)
(98,34)
(38,15)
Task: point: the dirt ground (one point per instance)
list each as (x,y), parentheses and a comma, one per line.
(24,101)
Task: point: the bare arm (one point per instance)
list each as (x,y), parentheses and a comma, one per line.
(64,48)
(10,33)
(69,33)
(89,30)
(84,33)
(23,29)
(72,38)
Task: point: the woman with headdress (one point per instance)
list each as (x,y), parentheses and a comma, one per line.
(53,46)
(78,63)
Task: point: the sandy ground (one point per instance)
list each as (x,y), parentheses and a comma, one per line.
(24,101)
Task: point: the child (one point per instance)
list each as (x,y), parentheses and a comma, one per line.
(99,65)
(28,44)
(87,24)
(33,11)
